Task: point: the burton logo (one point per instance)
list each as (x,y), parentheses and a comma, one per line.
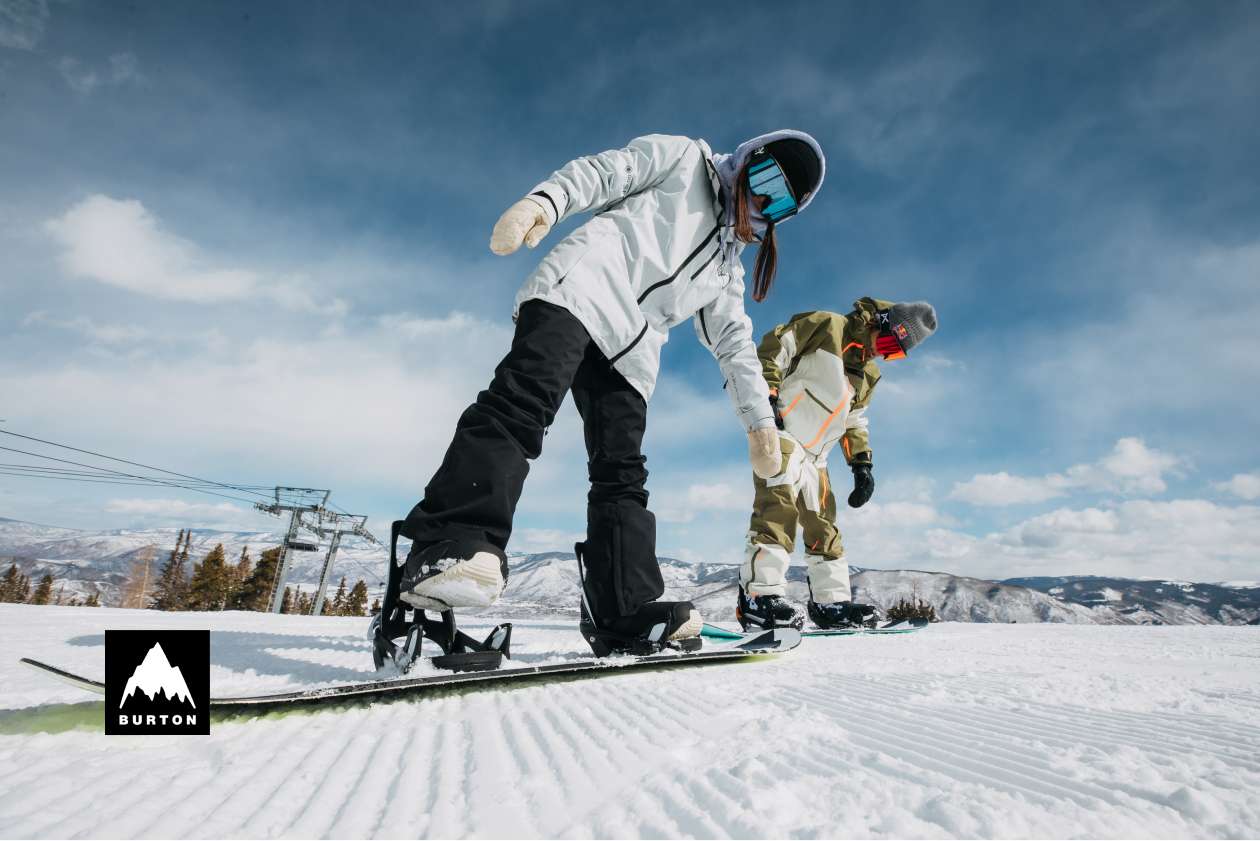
(157,682)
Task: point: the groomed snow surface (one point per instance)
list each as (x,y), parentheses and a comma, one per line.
(971,730)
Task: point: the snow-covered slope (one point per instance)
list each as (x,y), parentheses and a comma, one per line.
(962,730)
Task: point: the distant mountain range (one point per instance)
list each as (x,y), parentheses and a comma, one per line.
(547,583)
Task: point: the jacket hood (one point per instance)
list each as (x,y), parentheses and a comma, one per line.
(728,166)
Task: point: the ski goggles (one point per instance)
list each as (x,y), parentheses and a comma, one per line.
(886,343)
(766,179)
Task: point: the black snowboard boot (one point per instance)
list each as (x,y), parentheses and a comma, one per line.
(657,625)
(766,612)
(842,615)
(453,573)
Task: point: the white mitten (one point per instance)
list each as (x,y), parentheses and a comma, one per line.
(763,452)
(525,222)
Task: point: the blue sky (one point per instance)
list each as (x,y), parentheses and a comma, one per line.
(248,241)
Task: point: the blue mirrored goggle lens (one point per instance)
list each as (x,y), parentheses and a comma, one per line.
(766,179)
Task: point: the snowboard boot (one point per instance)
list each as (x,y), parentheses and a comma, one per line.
(843,616)
(657,625)
(766,612)
(453,573)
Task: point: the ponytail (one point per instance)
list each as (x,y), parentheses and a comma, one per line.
(767,263)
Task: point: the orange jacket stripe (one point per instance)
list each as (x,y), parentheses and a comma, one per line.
(843,403)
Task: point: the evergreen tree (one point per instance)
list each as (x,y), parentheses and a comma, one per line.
(11,585)
(356,602)
(911,610)
(305,603)
(376,606)
(172,585)
(211,585)
(24,589)
(286,604)
(92,601)
(339,601)
(240,574)
(43,593)
(255,591)
(183,555)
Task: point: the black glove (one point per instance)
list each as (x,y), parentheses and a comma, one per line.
(863,484)
(774,407)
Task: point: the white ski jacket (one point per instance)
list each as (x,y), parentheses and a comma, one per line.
(648,260)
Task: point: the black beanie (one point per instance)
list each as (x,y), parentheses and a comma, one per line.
(799,164)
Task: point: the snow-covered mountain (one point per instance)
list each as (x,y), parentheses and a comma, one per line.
(1152,602)
(97,561)
(546,584)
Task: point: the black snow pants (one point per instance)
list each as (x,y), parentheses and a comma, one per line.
(474,493)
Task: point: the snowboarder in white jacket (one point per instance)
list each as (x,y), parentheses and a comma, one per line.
(821,370)
(671,220)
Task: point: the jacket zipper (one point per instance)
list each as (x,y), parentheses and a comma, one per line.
(630,346)
(690,257)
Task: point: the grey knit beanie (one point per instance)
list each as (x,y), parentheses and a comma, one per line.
(912,323)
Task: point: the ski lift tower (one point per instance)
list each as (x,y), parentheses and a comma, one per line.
(296,501)
(337,525)
(326,524)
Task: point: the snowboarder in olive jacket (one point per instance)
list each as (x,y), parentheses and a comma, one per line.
(821,371)
(671,219)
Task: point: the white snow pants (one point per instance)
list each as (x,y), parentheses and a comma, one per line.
(799,494)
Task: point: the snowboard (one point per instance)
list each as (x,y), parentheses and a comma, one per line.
(775,641)
(901,626)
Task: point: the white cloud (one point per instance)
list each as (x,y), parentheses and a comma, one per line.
(1191,539)
(918,489)
(531,541)
(375,408)
(106,334)
(123,69)
(170,512)
(122,244)
(22,23)
(888,515)
(719,497)
(1004,489)
(1132,468)
(1244,485)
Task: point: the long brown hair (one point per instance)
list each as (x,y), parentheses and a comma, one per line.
(767,263)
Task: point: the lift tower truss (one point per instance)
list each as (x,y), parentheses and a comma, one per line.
(322,522)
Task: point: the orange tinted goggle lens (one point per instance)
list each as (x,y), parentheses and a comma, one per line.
(889,347)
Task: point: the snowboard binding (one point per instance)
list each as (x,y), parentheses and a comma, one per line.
(650,640)
(396,637)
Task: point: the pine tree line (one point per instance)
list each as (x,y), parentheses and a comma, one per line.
(15,588)
(353,603)
(216,584)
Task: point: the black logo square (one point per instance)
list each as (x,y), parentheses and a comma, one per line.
(157,682)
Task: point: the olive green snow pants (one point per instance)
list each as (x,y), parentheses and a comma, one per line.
(800,493)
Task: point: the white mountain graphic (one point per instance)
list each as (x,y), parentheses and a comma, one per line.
(156,674)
